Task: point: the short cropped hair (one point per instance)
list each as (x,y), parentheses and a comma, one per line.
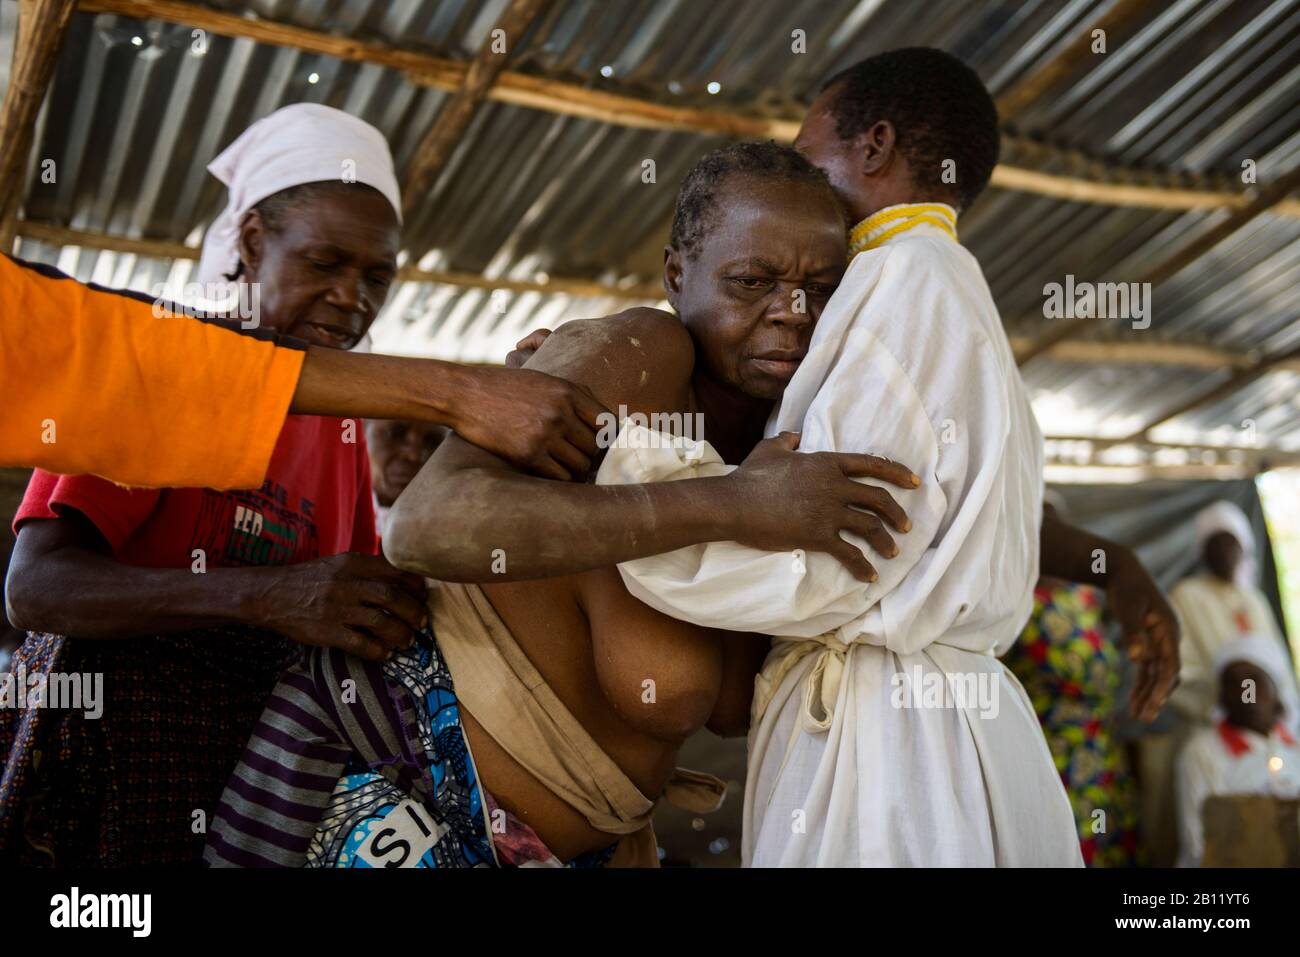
(697,199)
(940,111)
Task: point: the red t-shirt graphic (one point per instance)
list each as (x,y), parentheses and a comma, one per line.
(316,502)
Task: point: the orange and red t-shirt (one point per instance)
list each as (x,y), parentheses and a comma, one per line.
(91,386)
(315,502)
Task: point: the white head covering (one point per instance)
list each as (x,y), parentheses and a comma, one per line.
(1224,516)
(1267,654)
(297,144)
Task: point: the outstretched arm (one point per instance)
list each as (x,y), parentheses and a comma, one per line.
(540,422)
(469,516)
(1151,631)
(119,378)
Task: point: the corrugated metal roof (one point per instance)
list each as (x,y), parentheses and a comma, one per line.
(135,114)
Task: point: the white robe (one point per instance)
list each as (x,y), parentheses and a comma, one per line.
(1212,613)
(908,360)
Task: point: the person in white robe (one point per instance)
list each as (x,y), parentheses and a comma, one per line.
(884,730)
(1249,749)
(1219,603)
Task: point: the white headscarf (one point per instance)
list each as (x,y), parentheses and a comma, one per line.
(297,144)
(1266,653)
(1224,516)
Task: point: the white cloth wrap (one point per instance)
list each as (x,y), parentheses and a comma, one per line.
(909,361)
(297,144)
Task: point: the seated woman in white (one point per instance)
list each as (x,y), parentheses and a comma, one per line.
(1216,604)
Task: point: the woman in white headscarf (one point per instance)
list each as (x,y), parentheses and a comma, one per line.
(189,601)
(307,246)
(148,401)
(1218,604)
(309,236)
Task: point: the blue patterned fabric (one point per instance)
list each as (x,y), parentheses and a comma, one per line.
(372,822)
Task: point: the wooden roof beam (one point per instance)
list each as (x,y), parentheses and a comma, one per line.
(1204,460)
(1081,351)
(1141,188)
(162,249)
(460,109)
(42,25)
(1237,381)
(1187,355)
(1264,200)
(1121,16)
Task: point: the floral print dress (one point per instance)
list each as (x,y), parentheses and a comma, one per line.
(1071,670)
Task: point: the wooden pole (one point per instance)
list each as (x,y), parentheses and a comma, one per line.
(1029,88)
(1128,351)
(1204,460)
(1066,473)
(1076,189)
(42,25)
(1234,383)
(457,113)
(1099,443)
(1082,351)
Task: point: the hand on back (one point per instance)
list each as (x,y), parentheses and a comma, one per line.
(540,423)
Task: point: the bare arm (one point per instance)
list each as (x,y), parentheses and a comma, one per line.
(63,580)
(469,516)
(1150,628)
(534,420)
(1074,554)
(661,674)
